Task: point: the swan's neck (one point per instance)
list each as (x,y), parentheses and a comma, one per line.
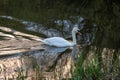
(74,37)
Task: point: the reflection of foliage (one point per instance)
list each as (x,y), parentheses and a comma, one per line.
(49,9)
(16,25)
(106,17)
(105,13)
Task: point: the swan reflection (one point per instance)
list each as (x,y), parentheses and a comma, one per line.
(52,49)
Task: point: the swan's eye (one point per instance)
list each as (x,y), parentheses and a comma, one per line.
(78,30)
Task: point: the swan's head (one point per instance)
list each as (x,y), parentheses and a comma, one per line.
(76,30)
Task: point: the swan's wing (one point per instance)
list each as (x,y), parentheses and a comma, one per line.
(57,41)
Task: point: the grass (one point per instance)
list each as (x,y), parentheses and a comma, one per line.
(90,69)
(21,75)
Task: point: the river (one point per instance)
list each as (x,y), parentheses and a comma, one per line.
(99,44)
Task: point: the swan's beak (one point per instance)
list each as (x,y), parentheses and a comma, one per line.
(79,32)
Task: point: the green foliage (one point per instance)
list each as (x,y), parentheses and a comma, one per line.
(79,71)
(21,75)
(89,70)
(93,69)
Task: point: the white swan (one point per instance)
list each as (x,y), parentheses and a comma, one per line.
(61,42)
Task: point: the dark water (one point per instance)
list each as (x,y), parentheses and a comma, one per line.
(99,21)
(63,15)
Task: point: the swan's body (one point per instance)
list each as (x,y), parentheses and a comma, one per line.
(57,41)
(61,42)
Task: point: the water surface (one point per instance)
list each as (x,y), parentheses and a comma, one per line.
(98,21)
